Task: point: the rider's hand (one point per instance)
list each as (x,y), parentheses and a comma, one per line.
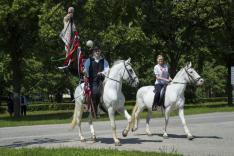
(86,79)
(100,74)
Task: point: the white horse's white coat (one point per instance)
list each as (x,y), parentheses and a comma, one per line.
(174,97)
(113,98)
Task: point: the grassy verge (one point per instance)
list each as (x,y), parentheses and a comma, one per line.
(77,152)
(65,116)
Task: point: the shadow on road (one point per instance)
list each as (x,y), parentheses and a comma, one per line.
(49,141)
(181,136)
(184,136)
(34,142)
(126,141)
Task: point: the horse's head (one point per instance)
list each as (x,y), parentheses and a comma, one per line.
(192,75)
(129,73)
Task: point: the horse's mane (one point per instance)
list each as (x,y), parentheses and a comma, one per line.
(178,74)
(117,62)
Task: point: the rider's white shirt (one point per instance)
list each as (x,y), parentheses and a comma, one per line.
(161,71)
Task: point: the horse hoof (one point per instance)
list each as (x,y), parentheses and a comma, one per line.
(190,137)
(165,136)
(118,144)
(82,140)
(124,134)
(94,139)
(149,133)
(134,129)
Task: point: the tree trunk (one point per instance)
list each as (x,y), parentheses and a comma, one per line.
(229,85)
(59,97)
(173,65)
(16,80)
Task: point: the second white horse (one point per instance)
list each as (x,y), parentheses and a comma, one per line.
(174,96)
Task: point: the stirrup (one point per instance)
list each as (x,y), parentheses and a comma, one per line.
(154,107)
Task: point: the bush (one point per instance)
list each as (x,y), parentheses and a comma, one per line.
(70,106)
(130,103)
(2,109)
(215,99)
(53,106)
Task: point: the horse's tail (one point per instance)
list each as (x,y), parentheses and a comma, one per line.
(77,115)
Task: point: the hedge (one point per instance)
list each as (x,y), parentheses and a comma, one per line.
(52,107)
(215,99)
(70,106)
(44,107)
(3,109)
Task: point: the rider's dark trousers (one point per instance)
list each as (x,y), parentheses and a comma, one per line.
(158,88)
(96,94)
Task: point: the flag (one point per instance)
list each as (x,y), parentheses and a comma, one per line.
(74,55)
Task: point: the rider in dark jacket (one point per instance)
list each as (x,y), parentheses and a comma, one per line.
(96,68)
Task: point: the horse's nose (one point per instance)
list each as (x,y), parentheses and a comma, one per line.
(201,81)
(137,83)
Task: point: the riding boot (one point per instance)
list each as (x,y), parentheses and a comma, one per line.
(155,102)
(158,88)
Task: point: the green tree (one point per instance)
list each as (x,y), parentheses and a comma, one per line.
(215,79)
(19,28)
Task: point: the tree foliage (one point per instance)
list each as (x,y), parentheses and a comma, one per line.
(200,31)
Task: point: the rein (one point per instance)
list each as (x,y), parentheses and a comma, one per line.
(131,79)
(112,79)
(190,78)
(125,69)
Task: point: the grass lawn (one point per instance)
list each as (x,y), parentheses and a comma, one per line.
(76,152)
(65,116)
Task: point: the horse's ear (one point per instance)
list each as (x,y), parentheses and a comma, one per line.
(128,60)
(189,65)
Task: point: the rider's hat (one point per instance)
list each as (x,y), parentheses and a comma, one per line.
(95,48)
(70,10)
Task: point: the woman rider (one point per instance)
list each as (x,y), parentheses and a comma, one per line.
(162,79)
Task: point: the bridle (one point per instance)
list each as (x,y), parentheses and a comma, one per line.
(131,80)
(192,80)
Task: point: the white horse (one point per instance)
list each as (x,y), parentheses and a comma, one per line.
(174,97)
(113,98)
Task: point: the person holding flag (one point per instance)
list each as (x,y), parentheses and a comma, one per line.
(70,37)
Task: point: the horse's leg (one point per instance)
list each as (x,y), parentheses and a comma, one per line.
(149,115)
(186,130)
(111,114)
(91,127)
(124,112)
(137,117)
(133,116)
(167,114)
(77,119)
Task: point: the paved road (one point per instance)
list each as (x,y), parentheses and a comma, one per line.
(214,135)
